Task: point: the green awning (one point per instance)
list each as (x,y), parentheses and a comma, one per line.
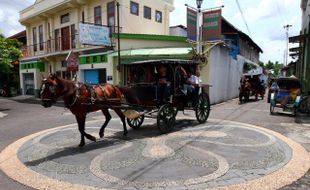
(156,52)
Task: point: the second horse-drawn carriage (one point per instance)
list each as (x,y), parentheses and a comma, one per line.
(251,85)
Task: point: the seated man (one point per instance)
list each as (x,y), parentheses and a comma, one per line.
(192,85)
(294,92)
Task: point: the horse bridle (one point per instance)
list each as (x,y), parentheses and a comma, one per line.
(51,88)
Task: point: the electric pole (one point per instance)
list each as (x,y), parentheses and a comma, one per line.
(286,27)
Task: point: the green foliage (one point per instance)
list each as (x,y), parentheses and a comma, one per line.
(276,67)
(9,51)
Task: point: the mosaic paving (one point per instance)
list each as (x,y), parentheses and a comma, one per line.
(218,154)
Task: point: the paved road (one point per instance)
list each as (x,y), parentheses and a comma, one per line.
(20,119)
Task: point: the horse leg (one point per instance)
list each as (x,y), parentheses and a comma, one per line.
(107,119)
(81,122)
(122,116)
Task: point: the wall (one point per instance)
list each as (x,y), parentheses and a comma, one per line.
(178,31)
(223,73)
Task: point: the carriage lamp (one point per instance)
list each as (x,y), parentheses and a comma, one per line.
(199,3)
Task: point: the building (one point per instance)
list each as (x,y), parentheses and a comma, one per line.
(229,52)
(302,65)
(178,30)
(53,38)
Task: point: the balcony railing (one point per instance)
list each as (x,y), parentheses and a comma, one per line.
(55,45)
(58,45)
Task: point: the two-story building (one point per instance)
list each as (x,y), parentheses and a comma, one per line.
(53,37)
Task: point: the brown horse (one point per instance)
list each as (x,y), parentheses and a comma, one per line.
(82,99)
(244,89)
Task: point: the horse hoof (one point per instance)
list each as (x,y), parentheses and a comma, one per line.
(101,135)
(93,139)
(81,145)
(125,134)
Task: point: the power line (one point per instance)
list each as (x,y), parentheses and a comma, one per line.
(243,18)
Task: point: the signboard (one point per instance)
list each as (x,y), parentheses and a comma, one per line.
(212,25)
(94,34)
(191,24)
(72,62)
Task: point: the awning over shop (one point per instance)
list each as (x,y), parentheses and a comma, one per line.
(130,56)
(297,39)
(156,52)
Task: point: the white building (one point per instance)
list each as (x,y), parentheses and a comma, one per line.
(53,33)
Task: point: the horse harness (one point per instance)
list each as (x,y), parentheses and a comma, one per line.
(88,95)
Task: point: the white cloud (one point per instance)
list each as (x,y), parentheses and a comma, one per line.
(218,3)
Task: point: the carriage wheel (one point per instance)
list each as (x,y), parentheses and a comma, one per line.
(135,123)
(303,107)
(165,118)
(202,108)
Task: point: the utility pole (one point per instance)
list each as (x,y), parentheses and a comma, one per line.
(286,27)
(118,39)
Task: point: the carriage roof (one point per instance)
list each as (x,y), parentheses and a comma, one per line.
(165,62)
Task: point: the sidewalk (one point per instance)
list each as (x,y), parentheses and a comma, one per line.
(29,99)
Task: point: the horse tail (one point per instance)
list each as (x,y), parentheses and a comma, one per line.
(118,91)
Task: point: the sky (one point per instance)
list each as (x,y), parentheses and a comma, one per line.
(265,20)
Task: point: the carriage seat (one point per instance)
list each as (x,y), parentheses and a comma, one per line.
(282,94)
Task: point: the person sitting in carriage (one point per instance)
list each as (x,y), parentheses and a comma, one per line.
(294,92)
(163,84)
(192,86)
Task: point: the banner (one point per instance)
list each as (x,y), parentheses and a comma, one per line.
(212,25)
(71,59)
(191,24)
(94,34)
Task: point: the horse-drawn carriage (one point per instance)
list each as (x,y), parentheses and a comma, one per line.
(251,85)
(147,94)
(286,95)
(150,98)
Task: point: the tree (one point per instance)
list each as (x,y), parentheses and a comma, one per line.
(276,67)
(9,51)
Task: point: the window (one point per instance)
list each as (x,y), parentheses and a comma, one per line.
(97,15)
(73,43)
(134,8)
(111,14)
(147,12)
(64,18)
(57,40)
(158,16)
(64,63)
(41,37)
(34,38)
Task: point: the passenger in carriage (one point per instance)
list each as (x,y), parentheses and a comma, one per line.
(192,85)
(163,84)
(294,92)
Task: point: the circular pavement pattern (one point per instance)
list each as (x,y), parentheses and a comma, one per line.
(215,155)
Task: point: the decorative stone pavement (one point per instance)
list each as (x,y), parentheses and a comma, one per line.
(214,155)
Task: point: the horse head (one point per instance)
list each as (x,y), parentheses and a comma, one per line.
(50,90)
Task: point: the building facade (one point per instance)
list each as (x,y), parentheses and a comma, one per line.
(53,37)
(302,66)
